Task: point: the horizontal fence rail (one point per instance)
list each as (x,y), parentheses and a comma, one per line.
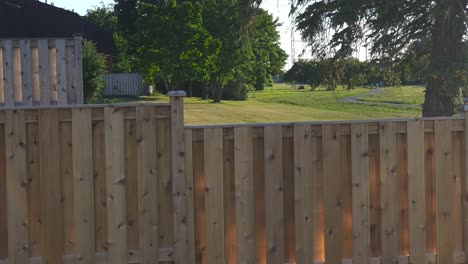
(41,72)
(131,184)
(346,192)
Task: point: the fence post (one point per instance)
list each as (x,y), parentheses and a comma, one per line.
(465,181)
(179,184)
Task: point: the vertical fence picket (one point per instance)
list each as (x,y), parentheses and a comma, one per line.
(189,173)
(17,182)
(163,166)
(244,189)
(147,185)
(115,181)
(259,196)
(444,191)
(274,195)
(2,84)
(78,69)
(304,202)
(61,71)
(215,249)
(332,185)
(416,192)
(179,185)
(26,72)
(389,192)
(465,187)
(51,186)
(44,87)
(83,184)
(360,185)
(8,89)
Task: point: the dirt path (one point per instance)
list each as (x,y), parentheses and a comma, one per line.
(372,91)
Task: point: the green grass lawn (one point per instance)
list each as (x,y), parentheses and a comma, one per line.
(281,103)
(399,95)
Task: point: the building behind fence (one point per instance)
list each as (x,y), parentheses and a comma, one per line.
(123,84)
(130,184)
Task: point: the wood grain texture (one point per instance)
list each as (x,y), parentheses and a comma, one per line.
(147,185)
(259,198)
(36,83)
(71,77)
(163,165)
(244,188)
(189,173)
(346,172)
(2,84)
(389,192)
(229,199)
(179,185)
(79,69)
(17,183)
(465,187)
(445,187)
(26,72)
(332,188)
(288,199)
(360,185)
(274,195)
(215,249)
(304,200)
(83,185)
(115,185)
(34,192)
(416,193)
(51,187)
(44,77)
(61,71)
(199,200)
(66,175)
(100,190)
(3,197)
(131,183)
(8,86)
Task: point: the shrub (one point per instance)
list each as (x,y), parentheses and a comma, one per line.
(94,66)
(301,87)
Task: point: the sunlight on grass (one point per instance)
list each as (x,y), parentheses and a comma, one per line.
(399,95)
(282,103)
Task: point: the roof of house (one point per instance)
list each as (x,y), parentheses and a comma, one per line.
(34,19)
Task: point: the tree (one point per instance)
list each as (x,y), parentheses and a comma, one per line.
(269,58)
(173,44)
(224,47)
(391,27)
(105,16)
(306,72)
(94,66)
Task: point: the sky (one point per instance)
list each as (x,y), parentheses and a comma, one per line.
(278,8)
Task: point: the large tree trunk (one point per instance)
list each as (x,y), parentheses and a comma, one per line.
(446,58)
(217,93)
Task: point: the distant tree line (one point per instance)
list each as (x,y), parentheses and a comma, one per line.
(350,73)
(218,49)
(434,30)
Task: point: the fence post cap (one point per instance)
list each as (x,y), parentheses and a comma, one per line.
(177,94)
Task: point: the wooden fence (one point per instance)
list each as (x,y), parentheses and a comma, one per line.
(123,84)
(41,72)
(349,192)
(129,184)
(90,184)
